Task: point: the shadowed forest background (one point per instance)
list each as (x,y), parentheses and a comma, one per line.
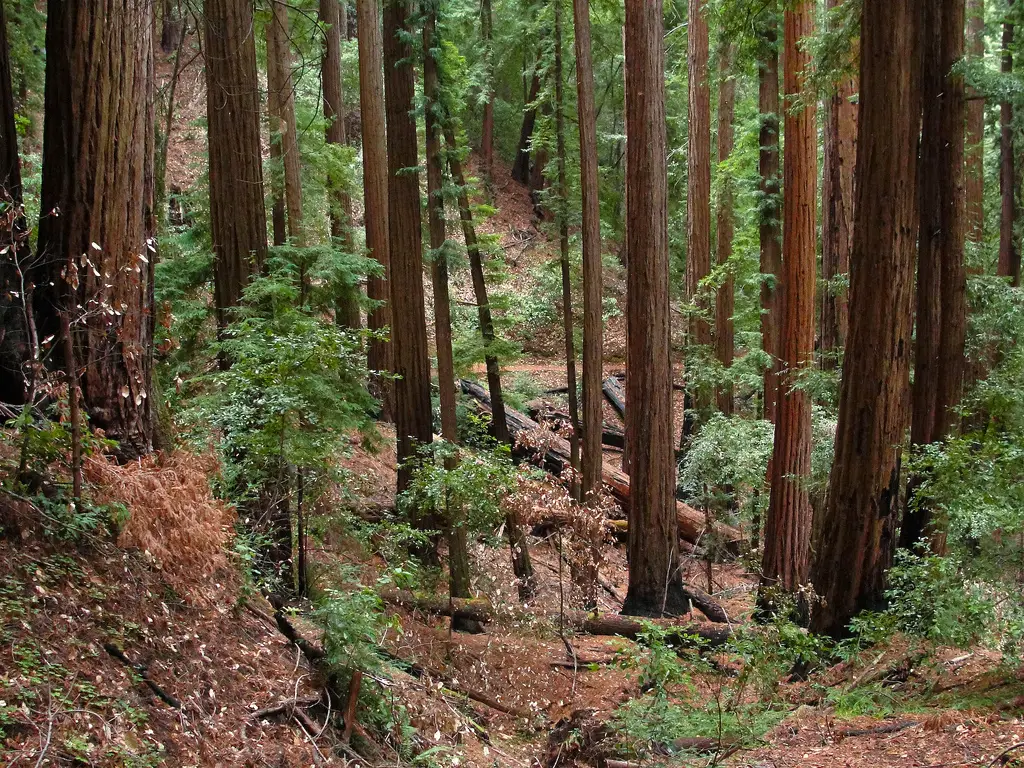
(511,382)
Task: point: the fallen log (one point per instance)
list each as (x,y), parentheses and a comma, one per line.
(609,624)
(610,435)
(554,457)
(615,395)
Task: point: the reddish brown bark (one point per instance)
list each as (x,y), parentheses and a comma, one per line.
(770,230)
(853,541)
(837,213)
(975,169)
(591,235)
(654,579)
(725,299)
(413,422)
(96,233)
(238,220)
(1009,254)
(788,526)
(279,57)
(379,354)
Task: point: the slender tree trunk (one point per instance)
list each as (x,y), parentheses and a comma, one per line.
(941,278)
(458,552)
(975,174)
(725,300)
(771,205)
(521,165)
(593,330)
(172,28)
(375,197)
(563,246)
(238,220)
(788,527)
(655,584)
(837,214)
(97,253)
(521,565)
(413,422)
(1009,255)
(854,540)
(279,53)
(487,131)
(278,215)
(698,207)
(331,15)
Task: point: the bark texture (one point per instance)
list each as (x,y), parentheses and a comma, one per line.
(1009,255)
(788,527)
(593,330)
(975,172)
(725,298)
(279,58)
(853,542)
(413,418)
(654,578)
(379,353)
(238,220)
(97,228)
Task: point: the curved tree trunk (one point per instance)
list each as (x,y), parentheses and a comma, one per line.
(655,584)
(724,299)
(98,172)
(854,540)
(379,355)
(788,527)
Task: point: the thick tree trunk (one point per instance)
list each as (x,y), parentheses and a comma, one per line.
(375,196)
(654,578)
(458,552)
(853,542)
(837,214)
(413,414)
(788,527)
(939,362)
(172,28)
(725,300)
(521,565)
(15,346)
(1009,254)
(593,326)
(331,15)
(98,173)
(975,169)
(698,192)
(771,205)
(568,326)
(238,220)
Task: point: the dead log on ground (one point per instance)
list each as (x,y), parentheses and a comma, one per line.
(611,436)
(615,395)
(555,458)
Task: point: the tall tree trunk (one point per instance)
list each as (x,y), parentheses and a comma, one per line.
(853,542)
(975,174)
(238,220)
(97,253)
(279,56)
(413,422)
(487,130)
(770,209)
(939,362)
(698,193)
(521,565)
(1009,255)
(331,15)
(278,215)
(458,552)
(837,214)
(725,300)
(15,344)
(655,584)
(379,354)
(521,165)
(568,326)
(788,527)
(591,235)
(172,28)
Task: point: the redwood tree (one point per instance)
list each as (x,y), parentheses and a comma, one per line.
(593,330)
(939,361)
(725,298)
(284,130)
(413,414)
(375,195)
(654,577)
(854,539)
(96,241)
(975,169)
(1009,255)
(788,526)
(238,221)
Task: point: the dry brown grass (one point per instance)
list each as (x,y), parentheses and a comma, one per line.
(174,517)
